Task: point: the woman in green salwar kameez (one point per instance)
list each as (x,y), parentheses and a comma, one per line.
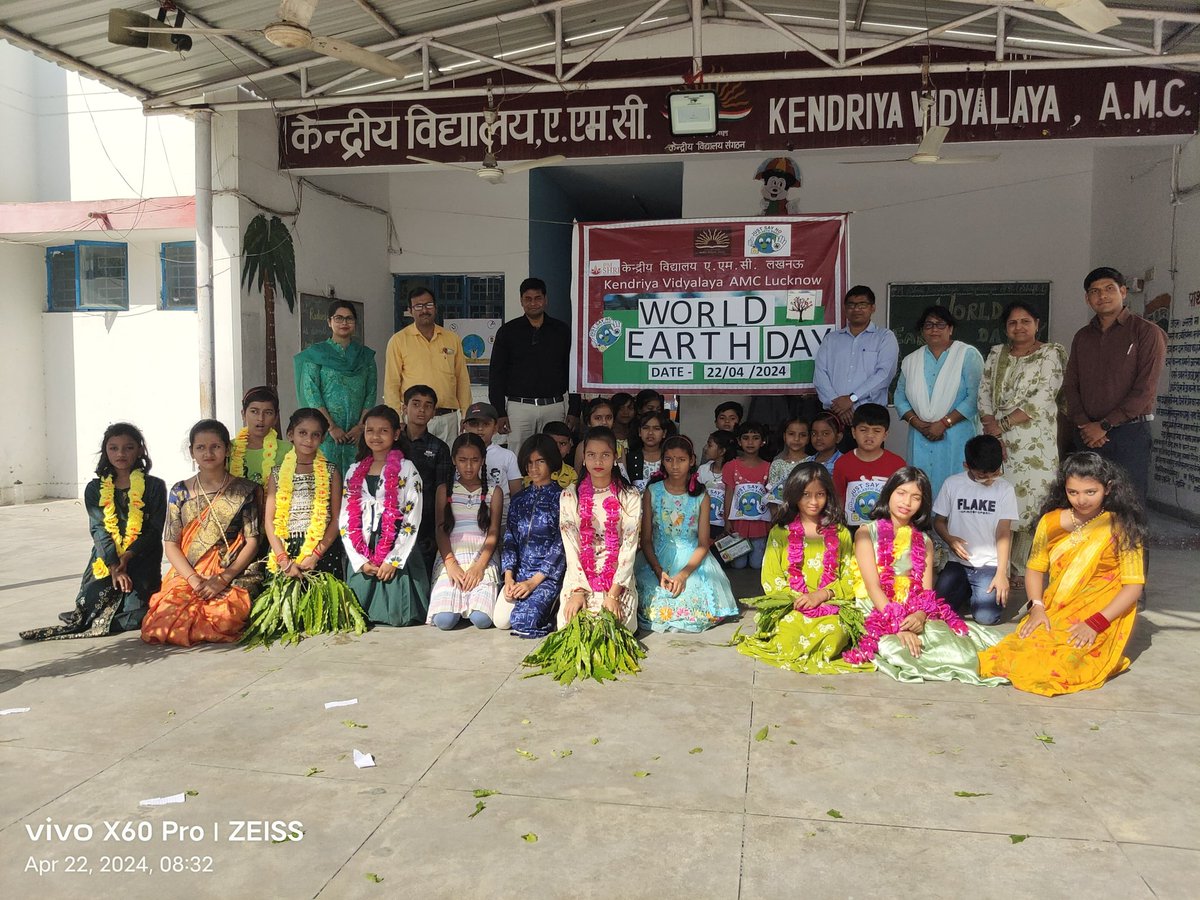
(338,377)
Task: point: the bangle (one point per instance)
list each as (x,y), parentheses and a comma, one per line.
(1097,622)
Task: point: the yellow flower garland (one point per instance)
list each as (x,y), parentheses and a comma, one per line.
(237,458)
(283,505)
(133,524)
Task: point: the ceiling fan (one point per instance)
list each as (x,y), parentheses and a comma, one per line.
(289,32)
(490,171)
(929,150)
(1091,15)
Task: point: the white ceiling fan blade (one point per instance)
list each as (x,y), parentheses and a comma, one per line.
(444,165)
(958,160)
(1090,15)
(355,55)
(532,164)
(931,143)
(207,32)
(298,11)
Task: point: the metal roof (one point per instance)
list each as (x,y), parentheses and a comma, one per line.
(470,37)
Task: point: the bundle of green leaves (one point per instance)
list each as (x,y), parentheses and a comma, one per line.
(293,608)
(592,645)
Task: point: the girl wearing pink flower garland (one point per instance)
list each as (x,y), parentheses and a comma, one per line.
(379,522)
(910,634)
(601,520)
(809,564)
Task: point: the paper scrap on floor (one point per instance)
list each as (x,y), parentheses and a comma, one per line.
(364,760)
(163,801)
(332,703)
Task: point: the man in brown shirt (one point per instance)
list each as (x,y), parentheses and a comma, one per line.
(1112,378)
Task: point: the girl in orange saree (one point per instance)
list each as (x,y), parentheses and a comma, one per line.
(211,537)
(1083,579)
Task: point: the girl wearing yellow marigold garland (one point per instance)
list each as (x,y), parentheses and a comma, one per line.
(304,496)
(258,449)
(211,537)
(126,508)
(1083,579)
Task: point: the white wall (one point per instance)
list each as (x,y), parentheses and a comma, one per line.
(138,365)
(23,438)
(1136,229)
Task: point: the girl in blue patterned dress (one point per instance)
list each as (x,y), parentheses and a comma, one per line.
(680,585)
(532,556)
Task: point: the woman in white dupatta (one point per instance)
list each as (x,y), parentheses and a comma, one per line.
(938,396)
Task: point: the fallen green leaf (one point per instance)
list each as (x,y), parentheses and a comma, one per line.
(1094,728)
(530,838)
(793,743)
(595,740)
(245,695)
(655,758)
(286,838)
(483,792)
(641,774)
(526,722)
(312,770)
(526,754)
(1044,738)
(170,713)
(696,750)
(350,723)
(562,754)
(833,814)
(902,716)
(828,687)
(192,793)
(1017,838)
(371,876)
(480,806)
(969,794)
(762,733)
(810,834)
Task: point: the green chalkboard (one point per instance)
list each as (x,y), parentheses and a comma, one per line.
(975,304)
(314,319)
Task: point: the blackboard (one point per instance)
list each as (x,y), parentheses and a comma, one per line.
(314,319)
(975,304)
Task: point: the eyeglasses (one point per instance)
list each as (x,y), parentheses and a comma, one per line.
(343,320)
(935,326)
(422,307)
(863,305)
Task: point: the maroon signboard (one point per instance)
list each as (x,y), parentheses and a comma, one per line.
(843,111)
(706,305)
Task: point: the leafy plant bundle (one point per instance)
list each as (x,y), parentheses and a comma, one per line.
(292,608)
(773,607)
(592,645)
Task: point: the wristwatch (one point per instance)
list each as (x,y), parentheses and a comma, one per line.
(854,398)
(1106,425)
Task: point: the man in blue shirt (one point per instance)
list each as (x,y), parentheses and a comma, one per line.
(856,363)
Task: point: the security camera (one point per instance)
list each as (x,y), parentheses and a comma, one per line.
(162,37)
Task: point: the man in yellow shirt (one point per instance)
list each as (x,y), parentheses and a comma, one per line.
(425,353)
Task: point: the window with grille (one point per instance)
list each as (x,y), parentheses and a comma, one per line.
(102,273)
(178,275)
(60,278)
(458,296)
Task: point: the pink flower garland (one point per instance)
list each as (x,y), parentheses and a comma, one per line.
(886,621)
(600,582)
(828,566)
(392,516)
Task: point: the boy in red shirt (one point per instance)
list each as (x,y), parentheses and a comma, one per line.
(859,476)
(746,512)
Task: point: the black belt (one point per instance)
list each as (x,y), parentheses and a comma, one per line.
(537,401)
(444,410)
(1149,417)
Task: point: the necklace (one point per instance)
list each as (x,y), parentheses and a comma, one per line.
(393,520)
(601,581)
(1076,537)
(237,459)
(829,564)
(133,523)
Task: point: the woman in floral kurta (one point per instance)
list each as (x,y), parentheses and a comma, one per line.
(338,377)
(629,529)
(1018,403)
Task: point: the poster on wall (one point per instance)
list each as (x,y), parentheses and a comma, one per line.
(701,306)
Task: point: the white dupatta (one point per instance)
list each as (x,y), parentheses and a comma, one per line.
(934,404)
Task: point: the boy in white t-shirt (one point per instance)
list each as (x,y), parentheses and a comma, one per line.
(974,513)
(502,468)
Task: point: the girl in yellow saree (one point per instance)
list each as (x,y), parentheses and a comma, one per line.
(1083,578)
(210,539)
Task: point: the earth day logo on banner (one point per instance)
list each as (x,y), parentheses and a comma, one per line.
(769,240)
(604,333)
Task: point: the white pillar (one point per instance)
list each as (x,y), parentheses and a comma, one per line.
(204,263)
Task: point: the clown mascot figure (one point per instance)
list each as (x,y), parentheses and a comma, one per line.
(779,175)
